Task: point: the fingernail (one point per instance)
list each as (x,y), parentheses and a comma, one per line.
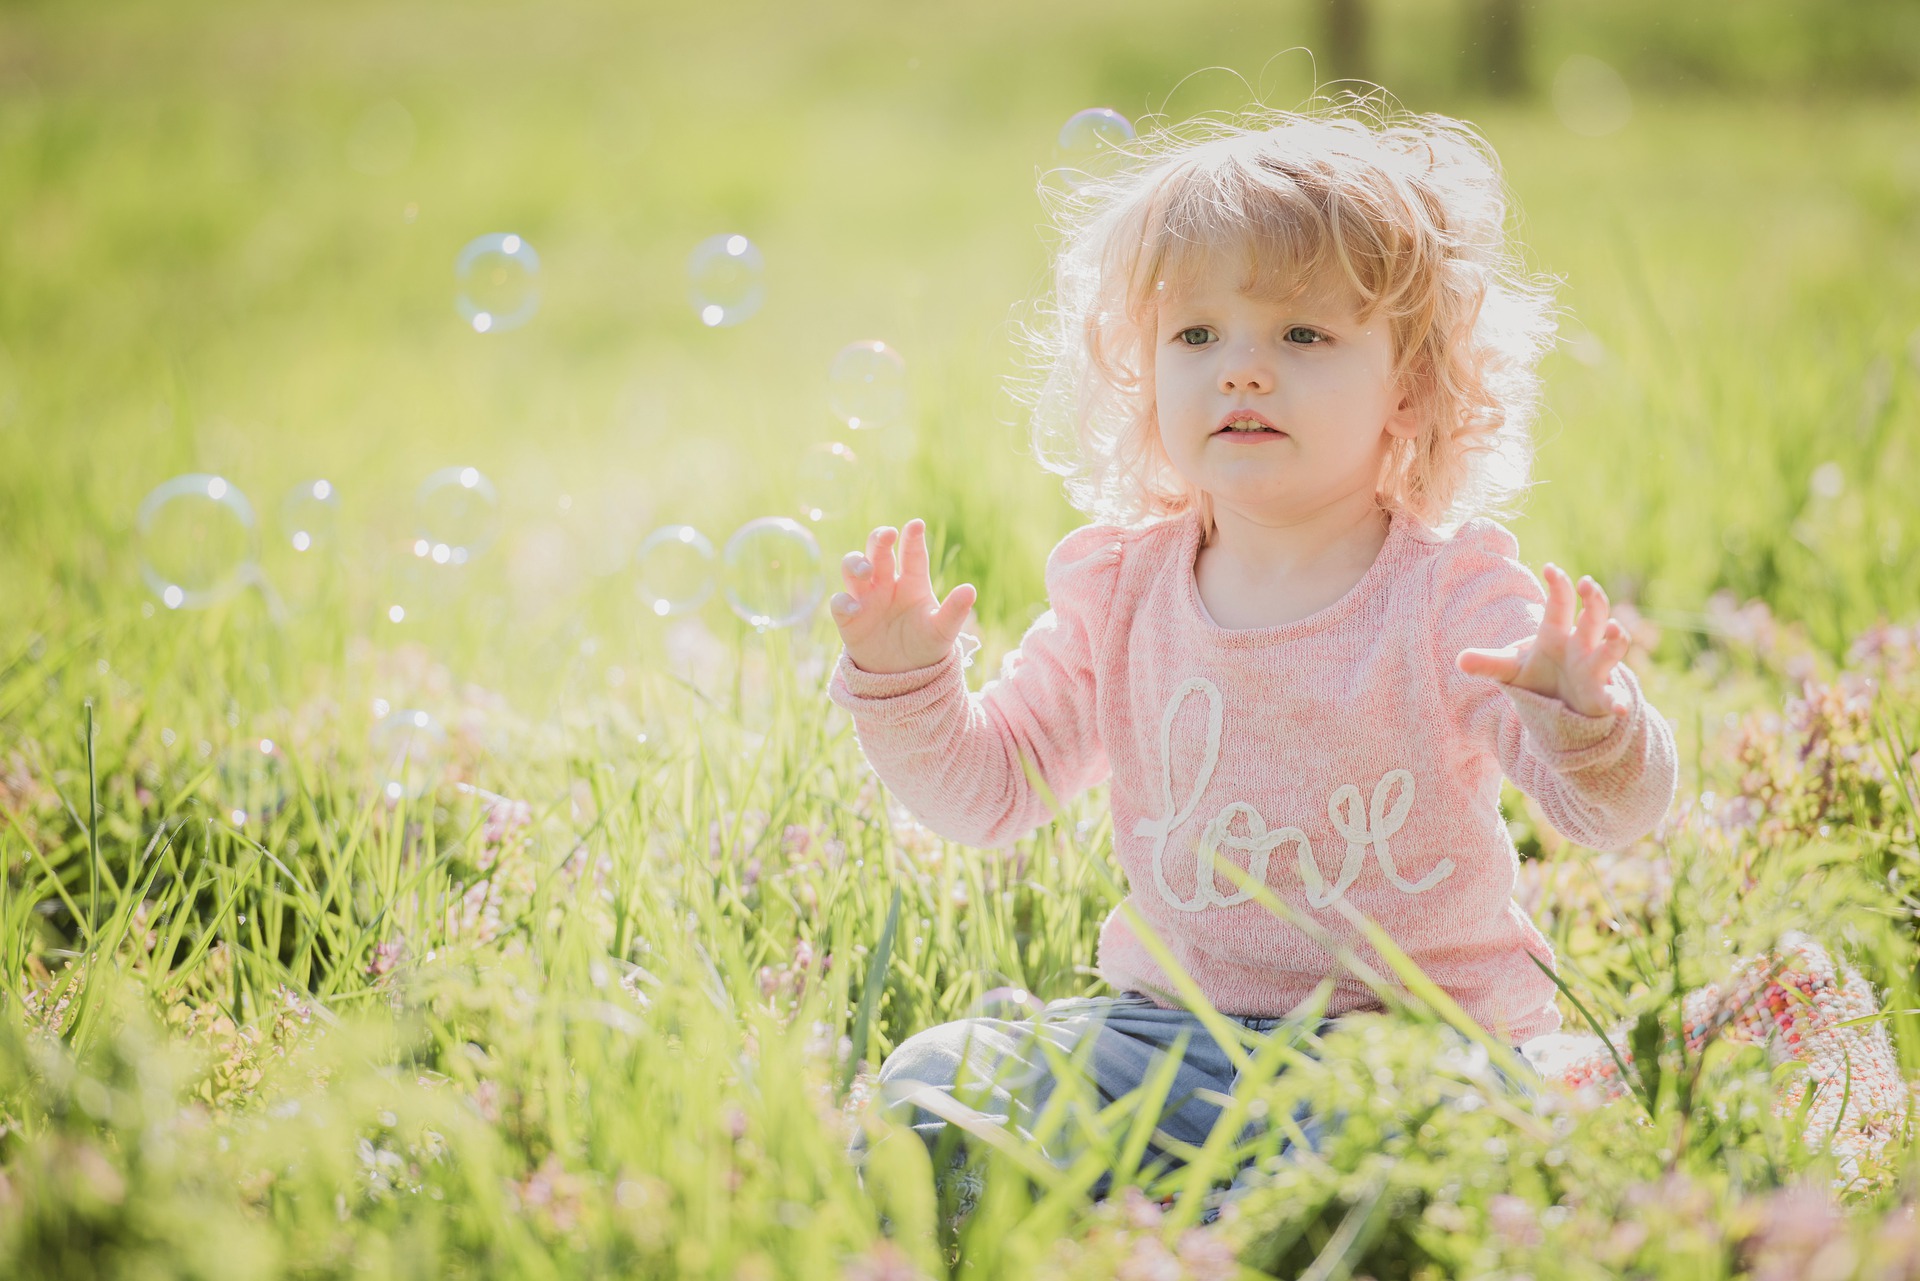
(862,567)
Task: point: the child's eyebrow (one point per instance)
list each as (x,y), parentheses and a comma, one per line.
(1318,311)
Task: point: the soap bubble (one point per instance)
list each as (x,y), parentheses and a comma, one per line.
(410,589)
(310,514)
(868,385)
(499,277)
(1590,97)
(1090,145)
(458,516)
(675,570)
(198,540)
(825,480)
(1010,1003)
(773,572)
(252,782)
(728,276)
(407,745)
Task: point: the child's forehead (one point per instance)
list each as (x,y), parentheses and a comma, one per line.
(1220,278)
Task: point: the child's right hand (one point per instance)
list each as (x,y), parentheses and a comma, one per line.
(892,622)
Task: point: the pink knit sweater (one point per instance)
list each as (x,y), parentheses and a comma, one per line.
(1339,755)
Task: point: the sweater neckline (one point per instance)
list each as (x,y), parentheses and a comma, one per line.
(1383,561)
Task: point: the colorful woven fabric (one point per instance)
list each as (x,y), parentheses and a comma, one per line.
(1788,1002)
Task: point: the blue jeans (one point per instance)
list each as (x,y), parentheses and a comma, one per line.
(1008,1079)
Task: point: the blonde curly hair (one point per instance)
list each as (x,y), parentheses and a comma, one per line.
(1408,210)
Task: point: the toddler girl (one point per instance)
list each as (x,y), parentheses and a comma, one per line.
(1288,371)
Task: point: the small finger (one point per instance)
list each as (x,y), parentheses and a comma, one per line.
(843,605)
(913,550)
(1593,613)
(953,610)
(1500,664)
(857,570)
(1559,613)
(883,569)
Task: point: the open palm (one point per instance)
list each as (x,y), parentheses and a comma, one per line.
(889,618)
(1565,660)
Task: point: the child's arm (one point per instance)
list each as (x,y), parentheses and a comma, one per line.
(1549,698)
(953,758)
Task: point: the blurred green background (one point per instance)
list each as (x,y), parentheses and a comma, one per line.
(227,234)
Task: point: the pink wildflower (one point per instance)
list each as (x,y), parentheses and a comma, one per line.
(1513,1220)
(1150,1261)
(1207,1256)
(505,817)
(385,957)
(1803,1236)
(885,1261)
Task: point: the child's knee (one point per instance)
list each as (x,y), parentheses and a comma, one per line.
(931,1056)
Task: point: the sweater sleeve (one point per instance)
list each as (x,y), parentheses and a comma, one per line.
(954,758)
(1604,781)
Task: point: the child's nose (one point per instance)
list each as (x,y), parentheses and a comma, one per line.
(1247,370)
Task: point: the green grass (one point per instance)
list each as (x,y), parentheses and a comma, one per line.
(256,1020)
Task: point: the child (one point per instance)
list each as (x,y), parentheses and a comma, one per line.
(1288,369)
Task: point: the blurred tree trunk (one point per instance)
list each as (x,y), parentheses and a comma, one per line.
(1500,39)
(1344,28)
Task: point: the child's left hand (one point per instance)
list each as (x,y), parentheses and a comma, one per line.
(1563,660)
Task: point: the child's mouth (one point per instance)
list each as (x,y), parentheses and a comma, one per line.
(1247,424)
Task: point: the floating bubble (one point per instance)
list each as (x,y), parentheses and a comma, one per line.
(675,570)
(252,783)
(198,540)
(825,480)
(1010,1003)
(407,747)
(728,278)
(1590,97)
(458,516)
(310,514)
(868,385)
(1585,346)
(773,572)
(499,278)
(1092,145)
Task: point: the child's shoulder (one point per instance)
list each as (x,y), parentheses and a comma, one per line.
(1467,547)
(1475,573)
(1099,551)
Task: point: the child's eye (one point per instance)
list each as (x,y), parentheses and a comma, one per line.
(1314,336)
(1186,336)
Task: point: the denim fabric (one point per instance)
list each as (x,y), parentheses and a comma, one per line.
(1008,1080)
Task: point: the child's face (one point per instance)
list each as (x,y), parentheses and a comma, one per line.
(1309,367)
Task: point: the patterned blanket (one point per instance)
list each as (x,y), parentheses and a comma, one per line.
(1789,1002)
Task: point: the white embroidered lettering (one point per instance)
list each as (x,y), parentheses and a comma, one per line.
(1386,814)
(1159,829)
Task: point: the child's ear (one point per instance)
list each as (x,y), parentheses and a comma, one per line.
(1412,384)
(1404,421)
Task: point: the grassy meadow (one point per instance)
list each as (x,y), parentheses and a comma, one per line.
(594,985)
